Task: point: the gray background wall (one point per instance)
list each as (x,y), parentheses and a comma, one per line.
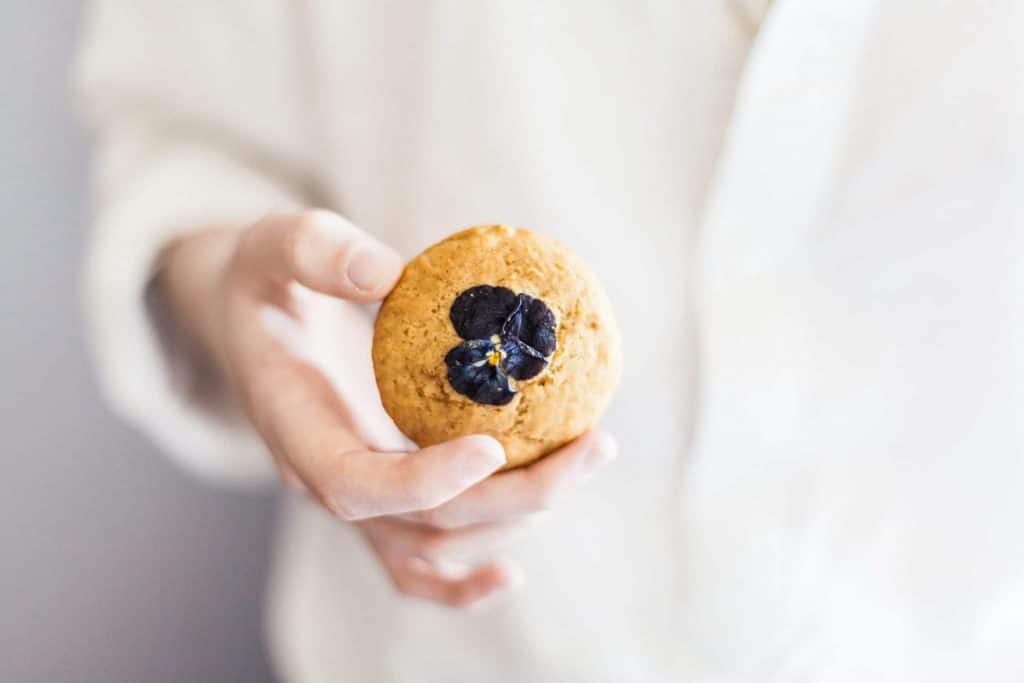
(113,565)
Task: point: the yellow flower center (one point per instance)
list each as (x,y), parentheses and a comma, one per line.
(497,355)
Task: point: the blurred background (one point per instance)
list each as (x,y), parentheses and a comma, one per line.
(113,565)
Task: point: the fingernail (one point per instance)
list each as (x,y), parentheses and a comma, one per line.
(484,455)
(373,267)
(604,450)
(537,518)
(515,577)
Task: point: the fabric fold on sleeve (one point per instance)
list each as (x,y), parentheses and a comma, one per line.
(147,375)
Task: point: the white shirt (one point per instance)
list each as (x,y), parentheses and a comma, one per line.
(809,227)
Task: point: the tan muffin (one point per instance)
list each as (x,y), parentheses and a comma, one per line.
(437,384)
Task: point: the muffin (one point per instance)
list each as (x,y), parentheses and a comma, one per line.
(499,331)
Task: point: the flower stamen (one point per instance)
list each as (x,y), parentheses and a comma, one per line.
(497,355)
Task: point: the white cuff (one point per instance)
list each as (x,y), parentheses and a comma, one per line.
(147,377)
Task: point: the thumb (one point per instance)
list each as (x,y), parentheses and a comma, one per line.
(324,252)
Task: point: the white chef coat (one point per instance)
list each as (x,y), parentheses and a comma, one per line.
(809,227)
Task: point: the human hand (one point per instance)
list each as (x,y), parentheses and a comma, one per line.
(247,296)
(432,553)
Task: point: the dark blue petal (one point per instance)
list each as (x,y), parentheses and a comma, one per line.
(533,322)
(470,373)
(513,324)
(480,311)
(469,352)
(522,361)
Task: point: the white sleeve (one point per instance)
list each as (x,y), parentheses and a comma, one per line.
(197,118)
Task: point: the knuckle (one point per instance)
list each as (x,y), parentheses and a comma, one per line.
(421,494)
(289,478)
(401,583)
(432,545)
(339,506)
(439,518)
(236,265)
(296,239)
(248,241)
(338,491)
(431,518)
(544,500)
(241,266)
(546,493)
(462,596)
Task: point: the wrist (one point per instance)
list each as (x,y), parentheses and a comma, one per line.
(190,274)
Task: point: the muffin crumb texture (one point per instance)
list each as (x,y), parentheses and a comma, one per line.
(418,353)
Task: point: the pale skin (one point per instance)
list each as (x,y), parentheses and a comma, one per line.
(435,517)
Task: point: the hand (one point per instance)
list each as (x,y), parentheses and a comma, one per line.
(430,553)
(250,297)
